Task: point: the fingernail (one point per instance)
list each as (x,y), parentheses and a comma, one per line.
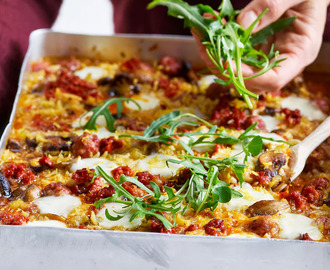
(248,19)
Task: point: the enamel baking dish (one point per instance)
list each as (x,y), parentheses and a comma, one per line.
(57,248)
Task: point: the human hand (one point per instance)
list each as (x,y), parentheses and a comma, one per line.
(298,43)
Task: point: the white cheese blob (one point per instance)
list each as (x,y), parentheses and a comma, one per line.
(156,164)
(146,102)
(114,210)
(101,133)
(46,223)
(292,226)
(250,196)
(270,122)
(94,72)
(92,163)
(205,81)
(60,205)
(306,107)
(205,147)
(272,136)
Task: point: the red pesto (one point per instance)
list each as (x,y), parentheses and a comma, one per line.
(96,192)
(110,144)
(296,200)
(86,145)
(224,115)
(45,161)
(215,227)
(39,122)
(305,237)
(292,117)
(145,178)
(171,66)
(262,225)
(261,178)
(18,172)
(171,88)
(72,84)
(135,64)
(56,189)
(7,218)
(126,170)
(192,227)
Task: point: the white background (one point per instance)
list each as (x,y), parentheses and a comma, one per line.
(85,17)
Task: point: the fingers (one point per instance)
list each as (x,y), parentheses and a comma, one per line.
(278,77)
(276,9)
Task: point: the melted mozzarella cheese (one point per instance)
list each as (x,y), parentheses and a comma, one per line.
(47,223)
(60,205)
(205,81)
(272,136)
(205,147)
(270,122)
(292,226)
(101,133)
(94,72)
(237,149)
(306,107)
(146,102)
(156,164)
(250,196)
(114,210)
(92,163)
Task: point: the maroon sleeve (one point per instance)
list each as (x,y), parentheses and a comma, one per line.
(131,16)
(17,20)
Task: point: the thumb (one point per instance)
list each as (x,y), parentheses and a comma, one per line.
(276,8)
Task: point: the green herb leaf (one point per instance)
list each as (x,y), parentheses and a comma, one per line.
(228,42)
(223,194)
(255,146)
(264,34)
(103,110)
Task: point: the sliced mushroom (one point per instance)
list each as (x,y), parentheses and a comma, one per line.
(264,207)
(31,142)
(277,160)
(5,186)
(27,194)
(57,143)
(271,162)
(122,84)
(13,146)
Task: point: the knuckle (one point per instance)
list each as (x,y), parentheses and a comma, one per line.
(274,8)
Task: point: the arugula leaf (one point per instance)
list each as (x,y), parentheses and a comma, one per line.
(255,146)
(264,34)
(103,110)
(226,41)
(140,207)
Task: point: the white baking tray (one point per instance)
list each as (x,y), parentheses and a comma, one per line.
(57,248)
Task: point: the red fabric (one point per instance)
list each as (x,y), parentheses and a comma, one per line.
(131,16)
(17,20)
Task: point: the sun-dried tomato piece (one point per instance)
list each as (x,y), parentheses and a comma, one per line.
(46,161)
(69,83)
(215,227)
(18,173)
(292,117)
(110,144)
(7,218)
(126,170)
(85,145)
